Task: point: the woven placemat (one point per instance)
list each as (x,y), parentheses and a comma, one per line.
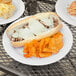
(64,67)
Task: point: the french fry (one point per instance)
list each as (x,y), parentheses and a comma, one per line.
(26,48)
(41,45)
(60,46)
(27,55)
(44,47)
(32,51)
(46,50)
(45,54)
(25,51)
(54,50)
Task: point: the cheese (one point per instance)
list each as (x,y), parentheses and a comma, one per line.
(48,21)
(15,35)
(23,33)
(36,27)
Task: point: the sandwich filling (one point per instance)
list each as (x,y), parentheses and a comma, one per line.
(33,28)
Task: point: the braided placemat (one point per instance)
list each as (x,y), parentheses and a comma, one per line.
(64,67)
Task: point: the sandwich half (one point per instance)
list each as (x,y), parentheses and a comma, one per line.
(35,27)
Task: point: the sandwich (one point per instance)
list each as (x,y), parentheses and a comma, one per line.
(36,27)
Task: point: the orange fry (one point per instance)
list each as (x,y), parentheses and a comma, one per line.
(46,50)
(44,47)
(45,54)
(27,55)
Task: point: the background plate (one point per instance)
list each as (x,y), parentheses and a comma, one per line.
(61,9)
(18,12)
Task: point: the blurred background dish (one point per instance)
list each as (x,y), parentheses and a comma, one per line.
(61,9)
(72,9)
(15,13)
(7,9)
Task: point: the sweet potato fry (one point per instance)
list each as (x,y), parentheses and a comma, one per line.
(46,50)
(25,51)
(27,55)
(59,46)
(41,45)
(44,47)
(45,54)
(32,51)
(54,50)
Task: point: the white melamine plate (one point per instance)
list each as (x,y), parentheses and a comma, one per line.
(17,54)
(61,9)
(18,12)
